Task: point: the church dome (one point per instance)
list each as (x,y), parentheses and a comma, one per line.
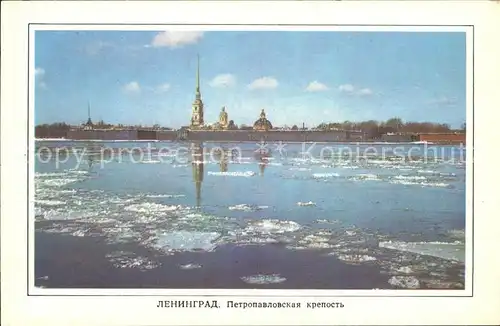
(88,125)
(223,116)
(262,123)
(223,113)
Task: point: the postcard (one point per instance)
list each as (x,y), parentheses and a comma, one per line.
(272,171)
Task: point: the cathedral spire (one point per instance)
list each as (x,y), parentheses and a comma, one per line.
(198,94)
(88,125)
(88,109)
(89,120)
(197,107)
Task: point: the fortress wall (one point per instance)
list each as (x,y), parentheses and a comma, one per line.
(443,138)
(102,134)
(120,135)
(271,136)
(166,135)
(80,135)
(355,136)
(216,136)
(47,133)
(229,135)
(146,135)
(398,138)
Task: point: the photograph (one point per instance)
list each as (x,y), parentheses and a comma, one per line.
(191,157)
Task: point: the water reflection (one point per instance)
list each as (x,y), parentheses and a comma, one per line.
(224,161)
(92,154)
(263,159)
(197,163)
(221,155)
(200,153)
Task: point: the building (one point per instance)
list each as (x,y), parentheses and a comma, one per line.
(88,125)
(355,135)
(262,124)
(399,137)
(223,119)
(232,125)
(197,120)
(443,138)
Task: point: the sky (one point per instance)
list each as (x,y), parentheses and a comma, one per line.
(149,77)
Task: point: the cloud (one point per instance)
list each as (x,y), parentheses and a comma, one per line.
(316,86)
(132,87)
(39,72)
(263,83)
(176,39)
(347,88)
(223,80)
(96,47)
(365,91)
(163,88)
(39,80)
(443,100)
(352,90)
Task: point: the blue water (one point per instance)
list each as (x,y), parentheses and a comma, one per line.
(409,193)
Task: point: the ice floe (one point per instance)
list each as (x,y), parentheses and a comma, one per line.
(422,183)
(49,202)
(405,270)
(309,203)
(456,234)
(366,177)
(190,266)
(409,177)
(355,259)
(116,200)
(263,279)
(152,208)
(325,175)
(50,174)
(58,182)
(150,161)
(325,221)
(123,259)
(452,251)
(121,235)
(440,284)
(272,226)
(164,196)
(427,172)
(187,241)
(299,169)
(246,207)
(233,174)
(65,215)
(404,282)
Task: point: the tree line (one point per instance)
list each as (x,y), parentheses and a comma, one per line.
(372,128)
(375,129)
(59,129)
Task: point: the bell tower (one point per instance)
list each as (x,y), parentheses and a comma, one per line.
(197,107)
(89,125)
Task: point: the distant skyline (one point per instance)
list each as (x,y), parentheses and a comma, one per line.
(147,77)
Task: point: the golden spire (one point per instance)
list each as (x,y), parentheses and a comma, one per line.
(198,169)
(198,93)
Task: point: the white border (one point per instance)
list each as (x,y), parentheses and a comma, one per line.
(18,309)
(261,292)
